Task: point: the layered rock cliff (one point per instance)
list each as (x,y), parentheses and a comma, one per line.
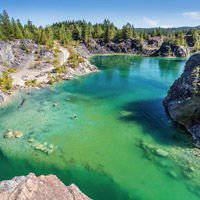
(183,99)
(39,188)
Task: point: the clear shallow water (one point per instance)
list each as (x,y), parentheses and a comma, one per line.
(119,111)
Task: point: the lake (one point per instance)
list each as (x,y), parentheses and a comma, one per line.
(110,132)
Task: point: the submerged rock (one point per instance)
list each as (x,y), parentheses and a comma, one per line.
(18,134)
(74,116)
(13,134)
(125,113)
(43,147)
(162,152)
(41,188)
(9,134)
(173,174)
(183,99)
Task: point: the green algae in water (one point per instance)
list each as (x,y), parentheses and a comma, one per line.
(109,150)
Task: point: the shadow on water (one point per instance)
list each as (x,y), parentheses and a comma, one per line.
(151,116)
(93,182)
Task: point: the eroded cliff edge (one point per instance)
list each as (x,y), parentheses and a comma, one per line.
(41,188)
(183,99)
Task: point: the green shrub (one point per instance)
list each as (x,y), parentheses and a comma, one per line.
(56,50)
(52,79)
(75,59)
(56,62)
(6,82)
(31,83)
(12,70)
(5,64)
(60,69)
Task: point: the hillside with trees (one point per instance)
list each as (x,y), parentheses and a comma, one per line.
(100,36)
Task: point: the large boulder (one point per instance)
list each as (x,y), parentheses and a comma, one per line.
(190,39)
(155,42)
(183,99)
(169,49)
(39,188)
(179,51)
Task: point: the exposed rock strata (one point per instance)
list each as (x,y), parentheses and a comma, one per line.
(183,99)
(39,188)
(154,46)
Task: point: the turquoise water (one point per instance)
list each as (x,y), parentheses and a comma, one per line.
(107,149)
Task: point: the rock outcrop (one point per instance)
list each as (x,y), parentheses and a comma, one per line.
(170,50)
(183,99)
(133,46)
(39,188)
(154,46)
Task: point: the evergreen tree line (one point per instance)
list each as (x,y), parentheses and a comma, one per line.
(82,31)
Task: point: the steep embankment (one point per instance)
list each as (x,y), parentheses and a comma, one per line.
(39,188)
(183,99)
(24,64)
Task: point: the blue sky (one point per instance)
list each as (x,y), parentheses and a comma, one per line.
(141,13)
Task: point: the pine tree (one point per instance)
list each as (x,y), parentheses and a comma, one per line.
(31,30)
(49,35)
(42,37)
(86,33)
(98,31)
(109,31)
(17,31)
(62,34)
(20,25)
(1,35)
(6,25)
(127,31)
(77,32)
(28,34)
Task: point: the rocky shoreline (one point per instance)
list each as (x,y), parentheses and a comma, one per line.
(31,187)
(153,47)
(24,65)
(183,99)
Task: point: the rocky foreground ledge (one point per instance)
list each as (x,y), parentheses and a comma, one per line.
(39,188)
(183,99)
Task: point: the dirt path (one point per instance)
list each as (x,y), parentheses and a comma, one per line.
(65,55)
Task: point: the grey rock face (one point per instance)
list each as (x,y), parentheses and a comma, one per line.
(183,99)
(41,188)
(152,47)
(167,49)
(6,53)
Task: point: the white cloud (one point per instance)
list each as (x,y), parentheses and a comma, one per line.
(192,15)
(150,22)
(166,26)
